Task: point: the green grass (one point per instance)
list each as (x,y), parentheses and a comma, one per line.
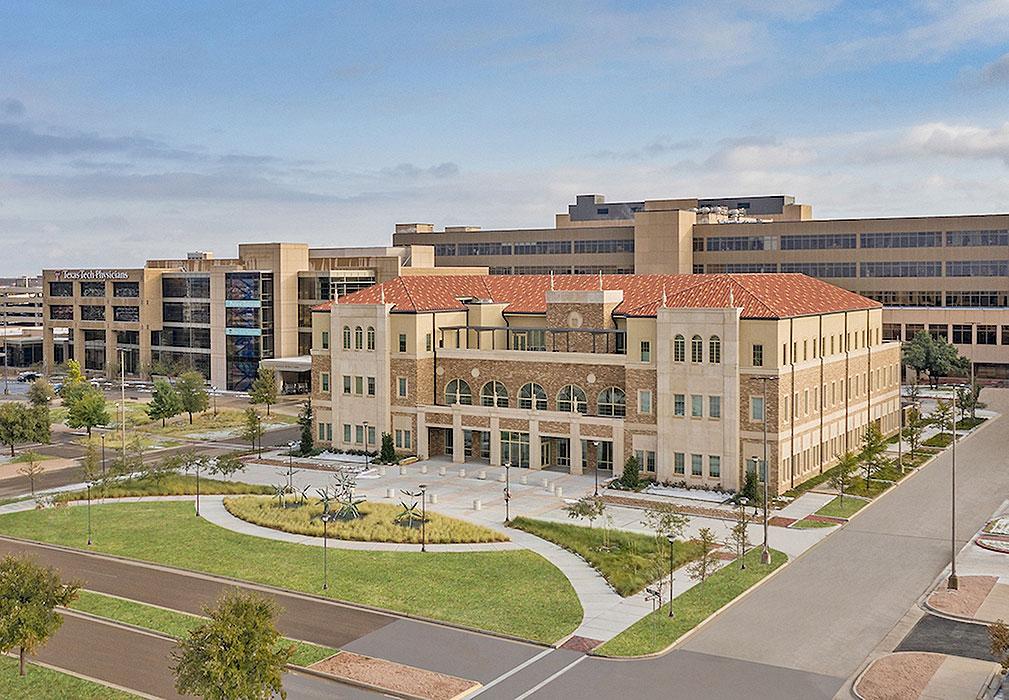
(969,423)
(837,509)
(41,683)
(376,524)
(173,623)
(28,457)
(512,592)
(806,524)
(632,560)
(810,483)
(656,631)
(169,485)
(939,440)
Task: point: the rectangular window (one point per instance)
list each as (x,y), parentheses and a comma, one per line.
(402,342)
(401,387)
(346,383)
(986,335)
(714,466)
(358,434)
(359,385)
(427,342)
(696,465)
(679,405)
(757,408)
(61,289)
(322,431)
(962,334)
(371,435)
(398,438)
(325,381)
(696,406)
(714,406)
(646,351)
(644,401)
(371,386)
(678,462)
(325,340)
(758,355)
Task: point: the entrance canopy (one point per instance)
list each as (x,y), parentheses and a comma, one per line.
(294,374)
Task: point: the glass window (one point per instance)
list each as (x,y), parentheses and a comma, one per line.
(371,386)
(986,334)
(644,401)
(962,334)
(494,393)
(977,268)
(714,406)
(126,314)
(359,385)
(1005,335)
(904,239)
(696,465)
(126,289)
(359,434)
(939,331)
(612,402)
(696,349)
(818,241)
(401,387)
(678,462)
(758,355)
(571,399)
(371,435)
(714,466)
(977,238)
(679,349)
(61,289)
(325,340)
(241,317)
(348,384)
(92,289)
(358,338)
(757,408)
(242,285)
(532,395)
(679,405)
(325,381)
(892,268)
(346,337)
(402,342)
(646,351)
(696,406)
(458,391)
(822,269)
(371,338)
(346,432)
(715,350)
(92,313)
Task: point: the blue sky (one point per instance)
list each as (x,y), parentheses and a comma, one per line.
(137,131)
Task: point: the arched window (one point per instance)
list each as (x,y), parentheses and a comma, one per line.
(371,338)
(532,395)
(679,349)
(346,337)
(571,399)
(494,394)
(612,402)
(715,350)
(458,391)
(696,349)
(358,338)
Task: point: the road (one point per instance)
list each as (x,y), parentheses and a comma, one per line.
(809,628)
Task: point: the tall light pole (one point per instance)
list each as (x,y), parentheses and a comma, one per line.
(672,545)
(595,468)
(4,302)
(122,399)
(507,490)
(953,582)
(367,457)
(423,517)
(213,390)
(88,484)
(765,553)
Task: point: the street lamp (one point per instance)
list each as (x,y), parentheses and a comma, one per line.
(765,553)
(213,391)
(367,457)
(290,465)
(326,517)
(88,484)
(423,517)
(595,469)
(672,544)
(507,490)
(953,582)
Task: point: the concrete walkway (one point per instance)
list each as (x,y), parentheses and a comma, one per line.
(806,504)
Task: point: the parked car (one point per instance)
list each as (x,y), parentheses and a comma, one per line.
(28,376)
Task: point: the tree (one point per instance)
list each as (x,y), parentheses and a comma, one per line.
(935,357)
(739,535)
(631,478)
(236,655)
(88,409)
(586,508)
(31,468)
(749,490)
(998,635)
(165,402)
(664,520)
(942,416)
(967,400)
(873,454)
(20,423)
(41,392)
(914,427)
(226,465)
(388,452)
(305,417)
(705,562)
(29,596)
(74,384)
(841,478)
(253,430)
(264,388)
(192,393)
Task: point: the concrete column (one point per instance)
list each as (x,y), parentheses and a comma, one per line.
(421,438)
(458,446)
(48,353)
(534,445)
(618,449)
(111,355)
(495,441)
(576,448)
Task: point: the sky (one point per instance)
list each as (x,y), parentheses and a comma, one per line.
(131,131)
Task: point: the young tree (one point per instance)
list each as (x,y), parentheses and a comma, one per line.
(873,454)
(31,468)
(88,409)
(29,596)
(749,490)
(998,634)
(841,478)
(74,384)
(237,654)
(227,465)
(739,535)
(253,430)
(586,508)
(192,393)
(942,416)
(264,388)
(664,520)
(41,393)
(914,427)
(631,478)
(388,452)
(705,562)
(305,417)
(165,402)
(20,423)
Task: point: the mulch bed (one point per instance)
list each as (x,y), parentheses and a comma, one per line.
(965,601)
(582,644)
(900,676)
(780,521)
(394,677)
(688,510)
(826,519)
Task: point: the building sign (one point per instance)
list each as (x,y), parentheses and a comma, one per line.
(93,275)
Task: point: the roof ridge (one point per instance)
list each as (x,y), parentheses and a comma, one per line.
(733,279)
(406,290)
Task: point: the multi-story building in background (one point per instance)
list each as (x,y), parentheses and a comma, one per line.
(683,371)
(948,275)
(219,316)
(21,320)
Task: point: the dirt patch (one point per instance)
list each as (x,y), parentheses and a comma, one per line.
(631,502)
(582,644)
(393,677)
(826,519)
(965,601)
(901,676)
(780,521)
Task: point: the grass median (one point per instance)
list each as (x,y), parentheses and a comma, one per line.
(513,592)
(656,631)
(168,485)
(41,683)
(173,623)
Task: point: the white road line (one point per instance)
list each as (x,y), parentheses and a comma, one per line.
(551,678)
(512,672)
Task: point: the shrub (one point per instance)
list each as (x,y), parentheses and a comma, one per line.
(631,478)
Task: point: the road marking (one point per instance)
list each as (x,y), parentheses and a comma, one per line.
(551,678)
(512,672)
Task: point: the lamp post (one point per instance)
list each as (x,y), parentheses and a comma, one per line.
(765,553)
(423,517)
(88,484)
(507,490)
(122,399)
(595,467)
(743,502)
(6,390)
(953,582)
(213,392)
(290,465)
(198,462)
(672,544)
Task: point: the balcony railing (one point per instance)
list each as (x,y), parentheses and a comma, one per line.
(589,340)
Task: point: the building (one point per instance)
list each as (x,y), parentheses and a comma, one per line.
(948,275)
(573,371)
(21,302)
(221,317)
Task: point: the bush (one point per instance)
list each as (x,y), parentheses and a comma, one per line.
(631,478)
(167,485)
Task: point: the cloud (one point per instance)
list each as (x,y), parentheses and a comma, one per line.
(11,107)
(962,141)
(654,149)
(25,142)
(994,74)
(411,171)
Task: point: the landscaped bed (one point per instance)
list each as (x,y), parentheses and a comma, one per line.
(168,485)
(378,522)
(513,592)
(42,683)
(843,507)
(657,631)
(939,440)
(628,561)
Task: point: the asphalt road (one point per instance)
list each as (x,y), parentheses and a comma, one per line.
(944,636)
(808,629)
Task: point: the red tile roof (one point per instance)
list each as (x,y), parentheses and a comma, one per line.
(760,295)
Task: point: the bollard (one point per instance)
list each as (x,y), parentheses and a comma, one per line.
(390,493)
(476,504)
(381,471)
(546,484)
(442,471)
(423,469)
(559,492)
(524,480)
(462,473)
(501,477)
(483,473)
(402,471)
(432,498)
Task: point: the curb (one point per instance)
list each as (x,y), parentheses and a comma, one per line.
(86,677)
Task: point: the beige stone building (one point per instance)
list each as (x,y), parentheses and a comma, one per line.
(219,316)
(572,371)
(948,275)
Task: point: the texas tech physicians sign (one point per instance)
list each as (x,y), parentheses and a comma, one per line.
(92,274)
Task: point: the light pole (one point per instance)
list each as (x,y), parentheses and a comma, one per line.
(213,390)
(122,399)
(953,582)
(198,464)
(88,484)
(6,390)
(290,465)
(367,457)
(423,517)
(507,490)
(765,553)
(672,545)
(743,502)
(595,469)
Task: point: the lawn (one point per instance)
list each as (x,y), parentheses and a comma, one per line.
(173,623)
(845,509)
(631,560)
(939,440)
(656,631)
(168,485)
(41,683)
(376,524)
(969,423)
(807,524)
(512,592)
